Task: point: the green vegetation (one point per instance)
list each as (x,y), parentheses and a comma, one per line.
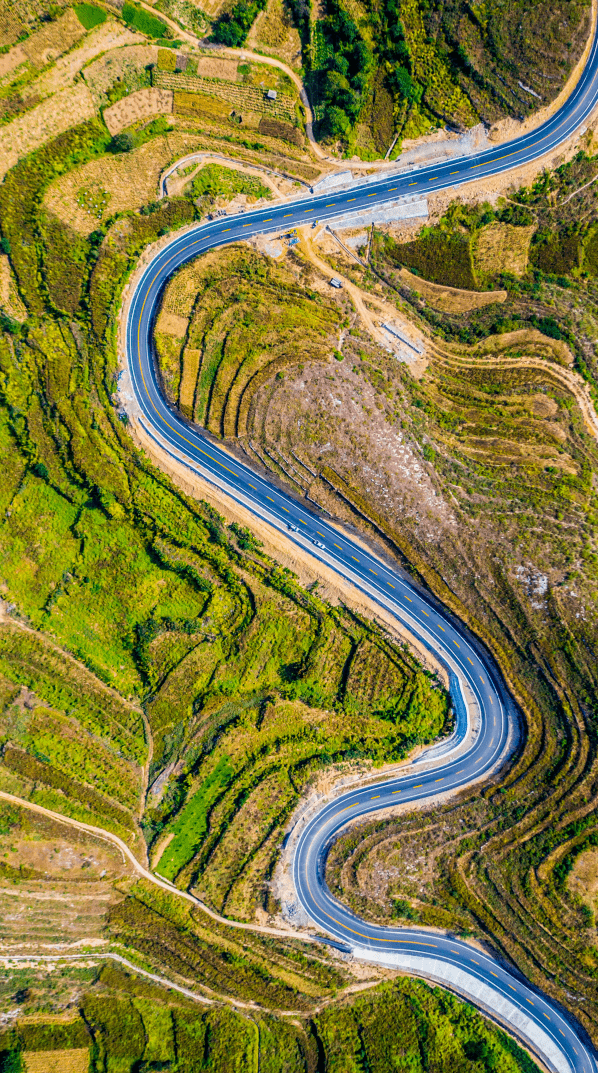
(128,1023)
(89,15)
(449,252)
(140,19)
(216,181)
(232,27)
(250,684)
(401,67)
(344,61)
(191,824)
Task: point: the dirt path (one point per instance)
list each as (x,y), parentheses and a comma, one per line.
(144,873)
(203,159)
(360,298)
(248,54)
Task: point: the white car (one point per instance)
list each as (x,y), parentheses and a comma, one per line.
(319,544)
(293,528)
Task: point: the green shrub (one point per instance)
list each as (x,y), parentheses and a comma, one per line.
(232,27)
(141,20)
(89,15)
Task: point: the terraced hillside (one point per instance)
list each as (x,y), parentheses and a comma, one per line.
(228,323)
(480,474)
(128,1021)
(249,684)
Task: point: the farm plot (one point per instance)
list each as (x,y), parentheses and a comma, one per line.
(237,95)
(71,1061)
(127,181)
(274,31)
(51,117)
(120,71)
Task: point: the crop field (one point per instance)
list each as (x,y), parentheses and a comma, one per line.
(236,95)
(274,32)
(124,68)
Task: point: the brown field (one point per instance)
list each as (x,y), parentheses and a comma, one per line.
(199,104)
(99,42)
(53,39)
(18,16)
(502,248)
(73,1061)
(583,879)
(11,61)
(273,31)
(139,105)
(130,179)
(50,118)
(210,67)
(451,299)
(126,64)
(10,300)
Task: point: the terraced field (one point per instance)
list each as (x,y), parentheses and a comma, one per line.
(229,323)
(236,95)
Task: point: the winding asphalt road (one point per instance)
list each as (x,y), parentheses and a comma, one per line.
(484,723)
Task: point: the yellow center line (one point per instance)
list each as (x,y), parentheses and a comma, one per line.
(409,598)
(425,613)
(253,486)
(270,498)
(338,546)
(302,521)
(374,796)
(356,560)
(413,184)
(432,179)
(330,204)
(441,628)
(226,229)
(471,661)
(396,791)
(373,572)
(351,199)
(439,780)
(419,786)
(391,584)
(454,172)
(287,214)
(456,643)
(246,225)
(372,195)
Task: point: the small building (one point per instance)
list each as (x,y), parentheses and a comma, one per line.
(271,95)
(335,283)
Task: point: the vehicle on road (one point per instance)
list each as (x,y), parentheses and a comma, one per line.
(293,528)
(319,544)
